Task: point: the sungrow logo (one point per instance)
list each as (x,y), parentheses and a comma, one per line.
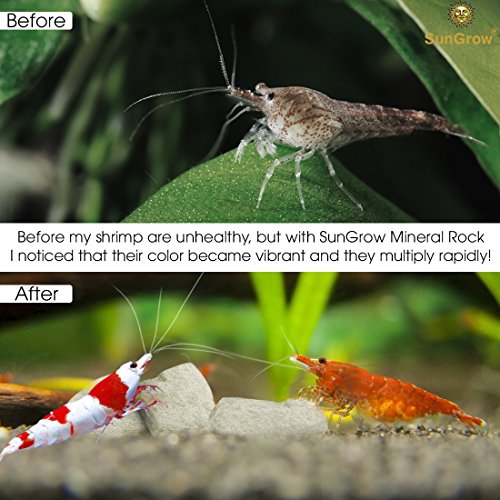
(461,15)
(459,39)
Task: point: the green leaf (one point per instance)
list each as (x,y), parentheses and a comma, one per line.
(492,283)
(271,297)
(298,321)
(24,54)
(450,94)
(309,300)
(478,65)
(482,323)
(224,190)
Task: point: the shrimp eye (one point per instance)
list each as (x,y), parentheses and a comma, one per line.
(133,365)
(270,96)
(261,89)
(322,360)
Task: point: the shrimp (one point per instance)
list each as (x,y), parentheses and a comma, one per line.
(115,396)
(344,386)
(307,120)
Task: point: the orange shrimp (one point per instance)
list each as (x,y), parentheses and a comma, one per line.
(5,378)
(344,386)
(207,369)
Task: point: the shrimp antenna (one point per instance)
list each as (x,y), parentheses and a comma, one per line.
(235,56)
(134,313)
(271,365)
(157,319)
(221,55)
(196,91)
(189,346)
(289,340)
(172,92)
(151,111)
(153,350)
(230,118)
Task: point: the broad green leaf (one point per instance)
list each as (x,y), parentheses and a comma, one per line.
(24,54)
(449,92)
(223,190)
(477,64)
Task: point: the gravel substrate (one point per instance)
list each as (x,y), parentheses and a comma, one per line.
(377,463)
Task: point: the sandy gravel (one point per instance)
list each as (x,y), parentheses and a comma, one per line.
(370,463)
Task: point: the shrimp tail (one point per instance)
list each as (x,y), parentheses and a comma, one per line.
(429,121)
(468,419)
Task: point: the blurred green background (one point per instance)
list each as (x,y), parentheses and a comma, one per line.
(65,153)
(438,331)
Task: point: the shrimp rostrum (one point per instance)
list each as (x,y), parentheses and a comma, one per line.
(342,387)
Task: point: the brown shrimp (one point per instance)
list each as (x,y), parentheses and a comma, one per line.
(344,386)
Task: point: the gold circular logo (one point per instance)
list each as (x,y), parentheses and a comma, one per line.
(461,14)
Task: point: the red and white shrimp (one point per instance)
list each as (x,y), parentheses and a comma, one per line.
(115,396)
(344,386)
